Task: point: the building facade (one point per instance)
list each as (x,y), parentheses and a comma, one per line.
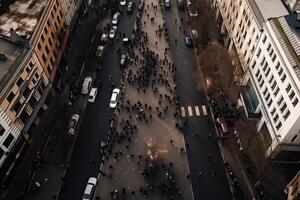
(293,5)
(269,53)
(33,35)
(293,188)
(69,9)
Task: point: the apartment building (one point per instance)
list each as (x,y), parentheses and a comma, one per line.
(33,36)
(268,48)
(241,23)
(293,188)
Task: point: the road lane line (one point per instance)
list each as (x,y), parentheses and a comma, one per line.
(204,110)
(182,112)
(197,110)
(190,111)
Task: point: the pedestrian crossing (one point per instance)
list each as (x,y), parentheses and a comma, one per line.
(190,111)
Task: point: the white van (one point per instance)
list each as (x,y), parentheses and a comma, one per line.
(86,86)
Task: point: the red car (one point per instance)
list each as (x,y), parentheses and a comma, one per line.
(222,128)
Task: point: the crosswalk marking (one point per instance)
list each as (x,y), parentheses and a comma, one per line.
(190,111)
(182,112)
(197,110)
(204,110)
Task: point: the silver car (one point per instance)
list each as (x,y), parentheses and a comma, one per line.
(114,98)
(112,32)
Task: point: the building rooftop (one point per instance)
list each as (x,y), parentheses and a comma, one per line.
(267,9)
(11,55)
(22,16)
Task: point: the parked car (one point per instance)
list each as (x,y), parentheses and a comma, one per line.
(223,129)
(123,60)
(89,189)
(99,51)
(112,32)
(103,38)
(73,124)
(114,98)
(129,7)
(86,86)
(93,95)
(115,18)
(188,41)
(122,2)
(167,4)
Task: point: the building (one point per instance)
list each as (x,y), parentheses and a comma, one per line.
(293,188)
(33,36)
(293,5)
(269,51)
(69,9)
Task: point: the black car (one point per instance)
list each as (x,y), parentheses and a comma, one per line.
(129,7)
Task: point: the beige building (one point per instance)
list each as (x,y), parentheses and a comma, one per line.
(293,188)
(32,40)
(69,9)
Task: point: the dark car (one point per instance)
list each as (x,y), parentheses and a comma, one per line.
(129,7)
(188,41)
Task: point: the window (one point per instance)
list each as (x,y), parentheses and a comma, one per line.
(39,46)
(294,138)
(1,153)
(274,85)
(269,103)
(280,71)
(52,61)
(276,91)
(268,71)
(10,97)
(264,39)
(278,126)
(2,130)
(20,82)
(277,65)
(259,78)
(288,88)
(286,115)
(280,101)
(275,118)
(271,79)
(262,83)
(268,96)
(26,92)
(263,61)
(8,140)
(283,78)
(274,57)
(273,111)
(269,47)
(49,69)
(253,64)
(295,102)
(292,95)
(44,58)
(283,107)
(47,49)
(50,41)
(42,38)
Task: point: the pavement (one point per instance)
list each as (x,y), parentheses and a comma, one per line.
(157,137)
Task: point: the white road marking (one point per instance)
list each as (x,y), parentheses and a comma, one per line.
(182,112)
(204,110)
(197,110)
(190,111)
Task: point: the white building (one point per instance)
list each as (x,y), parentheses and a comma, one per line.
(269,53)
(272,88)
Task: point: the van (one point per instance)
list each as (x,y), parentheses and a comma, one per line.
(86,86)
(222,128)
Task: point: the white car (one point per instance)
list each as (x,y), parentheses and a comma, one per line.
(86,86)
(114,98)
(99,51)
(93,95)
(103,38)
(115,18)
(89,189)
(123,59)
(122,2)
(73,124)
(112,32)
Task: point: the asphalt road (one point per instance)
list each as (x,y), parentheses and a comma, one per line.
(189,87)
(85,159)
